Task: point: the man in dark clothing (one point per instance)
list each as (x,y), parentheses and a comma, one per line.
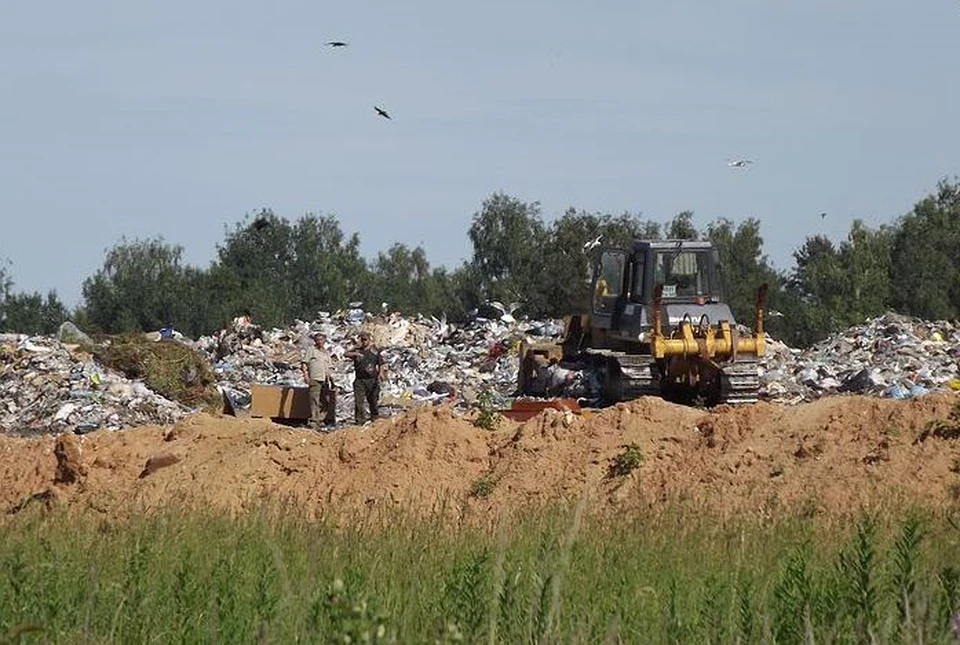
(368,370)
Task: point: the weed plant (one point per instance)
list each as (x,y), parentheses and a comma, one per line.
(168,367)
(626,462)
(674,576)
(488,417)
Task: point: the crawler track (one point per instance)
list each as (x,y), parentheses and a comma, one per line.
(741,382)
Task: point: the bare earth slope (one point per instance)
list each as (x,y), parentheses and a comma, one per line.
(830,456)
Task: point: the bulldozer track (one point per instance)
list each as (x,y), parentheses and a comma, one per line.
(743,382)
(639,376)
(635,375)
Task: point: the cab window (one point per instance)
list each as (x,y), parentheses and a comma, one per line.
(609,281)
(682,273)
(639,274)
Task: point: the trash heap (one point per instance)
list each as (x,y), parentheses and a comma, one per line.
(48,386)
(891,356)
(428,359)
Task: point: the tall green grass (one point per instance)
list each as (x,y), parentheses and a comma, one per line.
(556,576)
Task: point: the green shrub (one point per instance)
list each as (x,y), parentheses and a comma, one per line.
(626,462)
(484,486)
(169,368)
(488,417)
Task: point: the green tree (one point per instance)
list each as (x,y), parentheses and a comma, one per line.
(206,296)
(401,278)
(252,270)
(32,313)
(568,267)
(508,237)
(681,227)
(865,257)
(816,287)
(328,271)
(276,271)
(139,287)
(925,257)
(745,267)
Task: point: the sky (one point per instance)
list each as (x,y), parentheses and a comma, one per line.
(177,120)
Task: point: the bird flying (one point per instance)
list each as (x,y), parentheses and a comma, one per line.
(822,215)
(739,163)
(592,244)
(381,112)
(506,313)
(337,43)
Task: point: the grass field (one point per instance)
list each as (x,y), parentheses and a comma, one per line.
(680,576)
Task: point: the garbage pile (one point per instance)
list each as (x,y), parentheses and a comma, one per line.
(891,356)
(48,386)
(428,359)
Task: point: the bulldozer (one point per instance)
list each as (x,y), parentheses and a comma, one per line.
(656,325)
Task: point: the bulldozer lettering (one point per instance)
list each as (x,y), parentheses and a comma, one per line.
(657,325)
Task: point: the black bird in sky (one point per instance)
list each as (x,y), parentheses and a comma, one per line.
(337,43)
(822,215)
(381,112)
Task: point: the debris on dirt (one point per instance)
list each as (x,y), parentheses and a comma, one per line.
(428,360)
(49,387)
(891,356)
(948,428)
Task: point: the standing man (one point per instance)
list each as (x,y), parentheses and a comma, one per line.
(368,370)
(317,367)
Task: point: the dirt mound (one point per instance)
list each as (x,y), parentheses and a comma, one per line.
(830,456)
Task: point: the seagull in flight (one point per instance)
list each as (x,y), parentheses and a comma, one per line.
(592,244)
(739,163)
(506,313)
(381,112)
(337,43)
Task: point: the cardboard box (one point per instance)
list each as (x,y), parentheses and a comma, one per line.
(280,402)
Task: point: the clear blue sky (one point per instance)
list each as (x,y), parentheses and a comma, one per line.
(176,119)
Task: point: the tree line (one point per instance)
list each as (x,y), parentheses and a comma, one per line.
(276,270)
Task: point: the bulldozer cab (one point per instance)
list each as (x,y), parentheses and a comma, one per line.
(687,274)
(624,280)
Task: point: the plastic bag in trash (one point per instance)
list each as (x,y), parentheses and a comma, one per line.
(896,391)
(918,390)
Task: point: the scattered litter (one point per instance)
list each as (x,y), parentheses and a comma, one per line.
(428,359)
(891,356)
(51,386)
